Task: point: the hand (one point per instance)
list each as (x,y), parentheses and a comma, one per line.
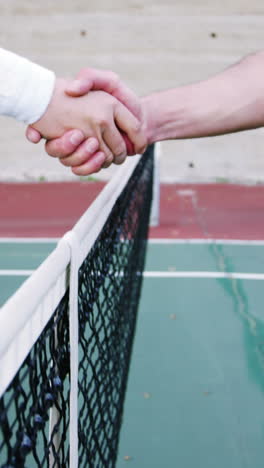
(73,144)
(97,114)
(90,79)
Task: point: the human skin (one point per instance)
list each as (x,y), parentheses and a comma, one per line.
(87,80)
(231,101)
(228,102)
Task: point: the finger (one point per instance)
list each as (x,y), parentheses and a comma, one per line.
(108,81)
(65,145)
(104,146)
(33,135)
(86,80)
(130,100)
(119,160)
(108,162)
(83,153)
(89,167)
(114,141)
(79,87)
(129,145)
(131,127)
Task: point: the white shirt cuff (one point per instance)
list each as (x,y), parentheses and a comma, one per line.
(25,88)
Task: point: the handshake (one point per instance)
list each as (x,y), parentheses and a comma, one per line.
(92,122)
(96,120)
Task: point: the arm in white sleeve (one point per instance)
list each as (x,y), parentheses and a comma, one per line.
(25,88)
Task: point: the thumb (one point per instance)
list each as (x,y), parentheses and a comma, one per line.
(33,135)
(79,87)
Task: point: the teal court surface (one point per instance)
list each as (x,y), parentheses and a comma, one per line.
(195,395)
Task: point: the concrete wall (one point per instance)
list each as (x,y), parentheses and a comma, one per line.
(152,44)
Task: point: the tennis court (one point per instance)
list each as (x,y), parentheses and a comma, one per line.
(195,388)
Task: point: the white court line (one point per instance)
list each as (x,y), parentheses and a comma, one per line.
(16,272)
(52,240)
(207,241)
(203,274)
(29,240)
(168,274)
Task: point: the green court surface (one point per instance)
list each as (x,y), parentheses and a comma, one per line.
(16,259)
(195,396)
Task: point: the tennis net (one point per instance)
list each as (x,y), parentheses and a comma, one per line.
(67,334)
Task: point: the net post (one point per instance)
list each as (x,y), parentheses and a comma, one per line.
(73,242)
(155,206)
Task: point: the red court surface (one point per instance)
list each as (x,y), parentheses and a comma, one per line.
(187,210)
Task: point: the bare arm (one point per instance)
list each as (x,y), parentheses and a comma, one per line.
(231,101)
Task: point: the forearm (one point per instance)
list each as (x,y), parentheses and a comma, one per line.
(25,88)
(228,102)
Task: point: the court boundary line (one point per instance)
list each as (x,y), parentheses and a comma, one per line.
(16,272)
(204,275)
(29,240)
(206,241)
(36,240)
(168,274)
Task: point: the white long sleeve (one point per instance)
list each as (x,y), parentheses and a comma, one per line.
(25,87)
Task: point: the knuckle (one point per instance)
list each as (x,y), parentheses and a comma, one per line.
(97,169)
(102,121)
(120,150)
(113,76)
(115,80)
(77,171)
(52,149)
(141,149)
(65,162)
(144,142)
(119,160)
(50,152)
(109,158)
(61,148)
(141,143)
(137,126)
(107,152)
(64,148)
(75,161)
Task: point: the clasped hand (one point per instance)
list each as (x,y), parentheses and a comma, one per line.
(91,122)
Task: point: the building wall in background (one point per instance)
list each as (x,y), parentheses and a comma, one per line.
(152,44)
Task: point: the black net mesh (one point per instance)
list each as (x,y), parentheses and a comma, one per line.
(34,411)
(39,389)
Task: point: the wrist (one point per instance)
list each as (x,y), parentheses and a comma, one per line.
(166,115)
(152,119)
(50,125)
